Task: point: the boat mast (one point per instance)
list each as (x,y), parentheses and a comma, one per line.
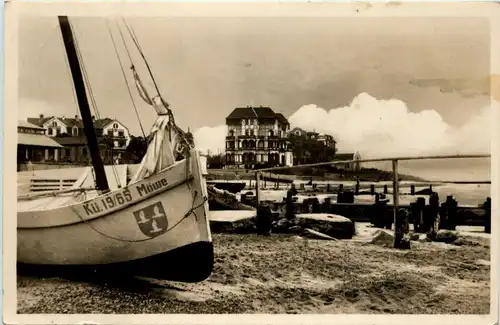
(83,104)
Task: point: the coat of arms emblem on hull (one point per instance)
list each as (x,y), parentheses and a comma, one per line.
(152,220)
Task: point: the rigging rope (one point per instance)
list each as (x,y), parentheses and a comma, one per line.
(94,103)
(181,132)
(85,75)
(125,76)
(136,42)
(73,90)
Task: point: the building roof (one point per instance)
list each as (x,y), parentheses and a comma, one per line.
(38,140)
(295,129)
(101,123)
(70,122)
(332,139)
(282,118)
(251,112)
(24,124)
(40,121)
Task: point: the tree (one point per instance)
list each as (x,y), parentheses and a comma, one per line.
(216,161)
(136,148)
(307,150)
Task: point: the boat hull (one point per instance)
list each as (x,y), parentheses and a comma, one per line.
(118,235)
(233,187)
(189,263)
(286,179)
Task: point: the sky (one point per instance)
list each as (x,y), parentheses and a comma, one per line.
(381,86)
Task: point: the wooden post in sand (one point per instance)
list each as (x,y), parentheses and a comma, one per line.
(257,190)
(398,234)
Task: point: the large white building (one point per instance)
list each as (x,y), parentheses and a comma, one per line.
(257,135)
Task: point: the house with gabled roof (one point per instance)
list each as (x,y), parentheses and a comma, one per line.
(257,136)
(113,136)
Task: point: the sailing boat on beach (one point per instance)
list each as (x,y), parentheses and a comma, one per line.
(153,221)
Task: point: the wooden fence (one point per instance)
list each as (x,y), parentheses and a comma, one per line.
(50,184)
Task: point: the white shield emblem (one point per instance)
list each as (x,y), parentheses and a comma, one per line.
(152,220)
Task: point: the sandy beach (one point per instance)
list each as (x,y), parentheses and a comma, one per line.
(290,274)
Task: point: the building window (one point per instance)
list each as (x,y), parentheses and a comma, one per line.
(242,122)
(67,152)
(75,131)
(54,123)
(115,126)
(120,133)
(231,133)
(110,133)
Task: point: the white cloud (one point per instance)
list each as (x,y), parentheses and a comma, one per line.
(379,128)
(387,128)
(211,138)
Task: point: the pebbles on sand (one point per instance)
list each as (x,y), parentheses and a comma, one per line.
(279,274)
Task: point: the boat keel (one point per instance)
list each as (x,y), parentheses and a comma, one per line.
(189,263)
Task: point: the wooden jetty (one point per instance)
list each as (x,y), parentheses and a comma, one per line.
(400,224)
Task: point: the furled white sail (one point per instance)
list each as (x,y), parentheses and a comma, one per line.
(159,154)
(165,145)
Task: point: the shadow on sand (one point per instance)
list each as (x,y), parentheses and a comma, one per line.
(120,282)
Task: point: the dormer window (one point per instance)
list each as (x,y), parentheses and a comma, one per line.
(75,131)
(242,122)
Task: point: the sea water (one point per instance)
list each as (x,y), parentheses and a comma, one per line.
(473,169)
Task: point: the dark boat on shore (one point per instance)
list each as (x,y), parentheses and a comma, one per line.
(230,186)
(287,179)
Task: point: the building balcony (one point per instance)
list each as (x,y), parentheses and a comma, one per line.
(243,137)
(257,149)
